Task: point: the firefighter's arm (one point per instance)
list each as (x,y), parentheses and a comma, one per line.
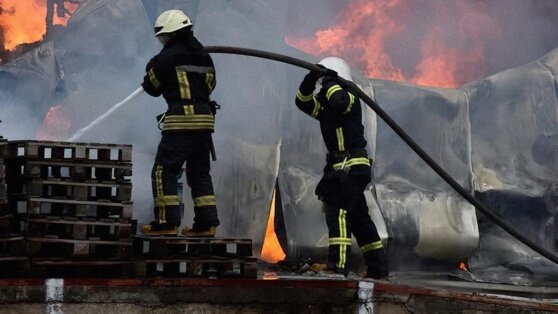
(338,98)
(151,83)
(305,99)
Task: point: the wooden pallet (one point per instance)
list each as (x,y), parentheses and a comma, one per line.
(15,266)
(12,245)
(71,169)
(147,246)
(213,267)
(80,229)
(72,208)
(68,151)
(75,268)
(46,247)
(89,190)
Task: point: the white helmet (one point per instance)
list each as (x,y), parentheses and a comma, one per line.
(338,65)
(171,21)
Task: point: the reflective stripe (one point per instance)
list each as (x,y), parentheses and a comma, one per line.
(342,234)
(187,126)
(195,68)
(159,192)
(340,139)
(189,109)
(332,90)
(210,81)
(183,84)
(167,200)
(153,79)
(334,241)
(207,200)
(372,246)
(352,162)
(351,102)
(302,97)
(190,118)
(189,122)
(317,107)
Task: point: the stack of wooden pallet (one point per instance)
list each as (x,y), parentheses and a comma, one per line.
(181,257)
(13,258)
(74,203)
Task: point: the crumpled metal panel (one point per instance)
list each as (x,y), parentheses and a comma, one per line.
(423,213)
(514,122)
(33,79)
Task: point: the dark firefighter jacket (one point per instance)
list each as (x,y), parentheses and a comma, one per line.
(185,76)
(340,116)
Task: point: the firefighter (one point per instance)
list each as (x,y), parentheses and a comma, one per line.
(185,75)
(347,171)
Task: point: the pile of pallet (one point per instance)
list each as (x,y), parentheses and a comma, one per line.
(73,201)
(67,212)
(13,257)
(181,257)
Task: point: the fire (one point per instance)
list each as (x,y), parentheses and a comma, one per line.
(434,43)
(55,125)
(24,21)
(463,266)
(271,250)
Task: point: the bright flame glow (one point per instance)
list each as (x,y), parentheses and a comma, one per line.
(444,48)
(271,249)
(24,21)
(55,125)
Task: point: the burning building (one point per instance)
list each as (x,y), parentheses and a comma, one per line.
(489,120)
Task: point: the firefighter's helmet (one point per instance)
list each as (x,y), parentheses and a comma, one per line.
(338,65)
(171,21)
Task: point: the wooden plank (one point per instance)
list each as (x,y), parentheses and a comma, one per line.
(197,268)
(183,246)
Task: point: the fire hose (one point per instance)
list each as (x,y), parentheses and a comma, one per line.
(400,132)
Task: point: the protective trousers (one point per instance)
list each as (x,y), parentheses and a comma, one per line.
(347,213)
(175,149)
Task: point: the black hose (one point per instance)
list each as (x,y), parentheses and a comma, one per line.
(404,136)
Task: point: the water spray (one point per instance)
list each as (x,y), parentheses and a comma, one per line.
(91,125)
(353,88)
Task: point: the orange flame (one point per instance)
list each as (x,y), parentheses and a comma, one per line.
(24,21)
(463,266)
(271,249)
(372,36)
(55,125)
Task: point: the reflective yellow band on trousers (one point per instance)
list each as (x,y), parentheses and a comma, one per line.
(339,241)
(207,200)
(372,246)
(167,200)
(159,193)
(342,234)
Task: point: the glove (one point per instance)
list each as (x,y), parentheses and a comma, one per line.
(328,72)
